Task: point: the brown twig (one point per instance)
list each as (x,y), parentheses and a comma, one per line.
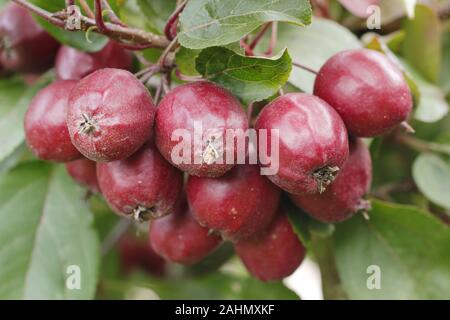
(99,17)
(148,73)
(384,191)
(135,38)
(169,48)
(86,8)
(41,12)
(421,145)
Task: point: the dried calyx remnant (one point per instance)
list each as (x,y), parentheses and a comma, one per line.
(210,155)
(87,124)
(142,213)
(325,176)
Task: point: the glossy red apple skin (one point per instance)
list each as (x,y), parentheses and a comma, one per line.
(144,180)
(205,103)
(73,64)
(366,89)
(27,47)
(84,172)
(344,197)
(45,125)
(120,109)
(179,238)
(273,254)
(311,136)
(238,205)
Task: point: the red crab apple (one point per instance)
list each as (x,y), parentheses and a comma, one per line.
(343,198)
(143,185)
(275,253)
(73,64)
(45,124)
(24,45)
(84,172)
(367,90)
(237,205)
(199,111)
(110,115)
(313,142)
(179,238)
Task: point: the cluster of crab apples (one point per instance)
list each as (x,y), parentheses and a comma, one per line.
(100,120)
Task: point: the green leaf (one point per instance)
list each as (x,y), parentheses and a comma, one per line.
(299,222)
(432,176)
(10,92)
(11,121)
(46,227)
(410,247)
(208,23)
(156,13)
(248,78)
(76,39)
(20,154)
(445,75)
(215,286)
(431,106)
(185,60)
(422,43)
(305,227)
(312,47)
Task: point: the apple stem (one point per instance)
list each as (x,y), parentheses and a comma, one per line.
(147,73)
(158,92)
(273,39)
(250,112)
(115,235)
(422,146)
(184,77)
(301,66)
(170,30)
(405,125)
(247,49)
(259,36)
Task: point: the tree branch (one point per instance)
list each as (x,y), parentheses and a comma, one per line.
(421,145)
(119,33)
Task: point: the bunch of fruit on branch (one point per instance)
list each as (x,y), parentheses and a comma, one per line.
(102,122)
